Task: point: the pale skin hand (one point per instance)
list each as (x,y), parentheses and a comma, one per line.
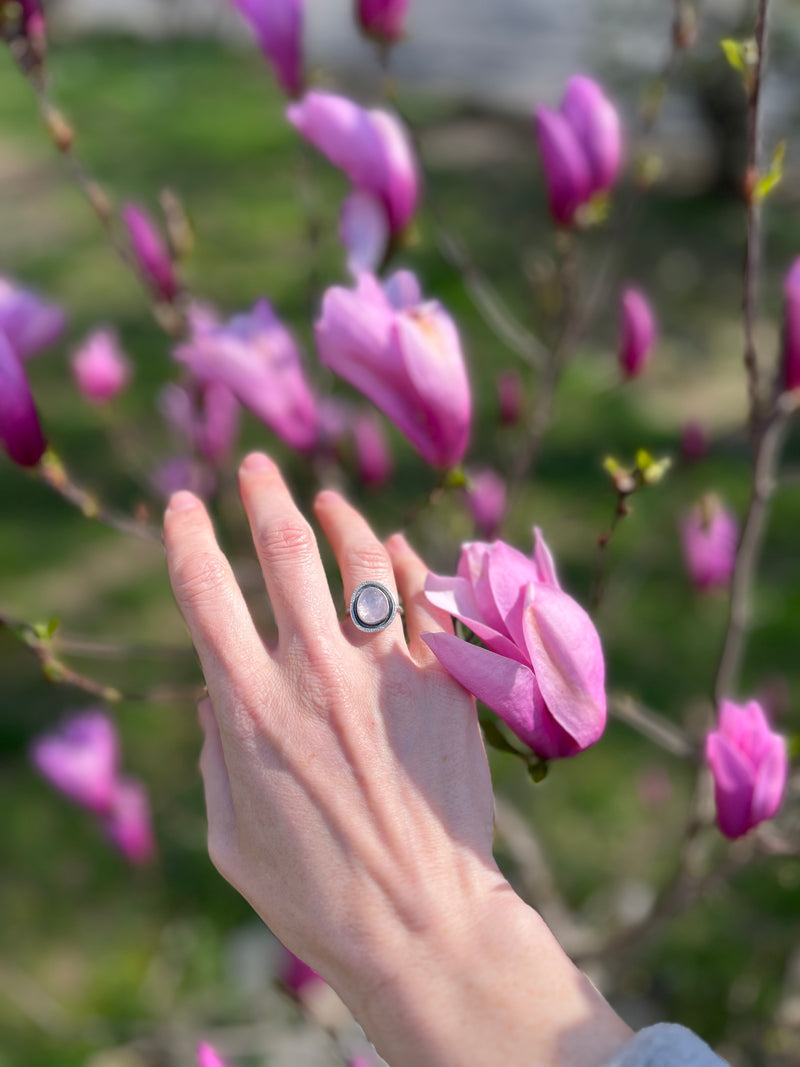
(349,798)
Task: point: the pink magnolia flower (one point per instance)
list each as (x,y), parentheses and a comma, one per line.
(405,356)
(295,975)
(208,1056)
(371,147)
(255,356)
(694,442)
(151,252)
(791,328)
(749,764)
(373,457)
(510,396)
(364,231)
(382,19)
(637,332)
(709,535)
(33,25)
(278,27)
(100,367)
(80,759)
(183,472)
(206,414)
(28,322)
(127,821)
(487,499)
(581,147)
(20,431)
(542,669)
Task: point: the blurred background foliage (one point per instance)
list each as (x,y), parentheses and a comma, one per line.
(113,967)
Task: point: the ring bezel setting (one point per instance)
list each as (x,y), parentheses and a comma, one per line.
(365,607)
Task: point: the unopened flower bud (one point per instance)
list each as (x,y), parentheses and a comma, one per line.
(59,129)
(637,332)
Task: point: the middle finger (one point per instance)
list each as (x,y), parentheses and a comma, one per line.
(289,556)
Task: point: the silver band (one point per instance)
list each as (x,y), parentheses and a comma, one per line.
(372,607)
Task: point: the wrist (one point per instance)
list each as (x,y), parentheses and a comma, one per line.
(481,981)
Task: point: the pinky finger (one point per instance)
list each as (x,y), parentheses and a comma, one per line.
(220,811)
(420,615)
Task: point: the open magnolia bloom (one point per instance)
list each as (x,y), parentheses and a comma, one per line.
(404,353)
(542,669)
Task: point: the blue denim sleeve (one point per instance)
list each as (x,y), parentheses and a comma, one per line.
(666,1045)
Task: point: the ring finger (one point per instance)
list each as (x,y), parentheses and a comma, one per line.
(361,558)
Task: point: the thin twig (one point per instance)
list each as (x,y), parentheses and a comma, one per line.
(652,725)
(748,554)
(752,252)
(52,473)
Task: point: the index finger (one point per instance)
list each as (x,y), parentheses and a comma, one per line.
(209,598)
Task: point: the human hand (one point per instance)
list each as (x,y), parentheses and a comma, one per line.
(349,797)
(345,775)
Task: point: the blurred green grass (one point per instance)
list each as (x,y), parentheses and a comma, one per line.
(85,931)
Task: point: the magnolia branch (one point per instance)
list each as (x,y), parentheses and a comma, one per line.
(752,254)
(765,465)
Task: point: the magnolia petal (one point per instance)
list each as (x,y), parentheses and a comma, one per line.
(20,431)
(567,658)
(364,231)
(733,785)
(770,780)
(543,560)
(504,685)
(428,344)
(455,596)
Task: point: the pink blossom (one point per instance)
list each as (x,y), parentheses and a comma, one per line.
(278,26)
(709,535)
(127,821)
(371,147)
(151,252)
(486,499)
(405,355)
(749,764)
(694,442)
(79,758)
(364,231)
(33,25)
(29,323)
(208,1056)
(373,457)
(100,367)
(581,147)
(206,414)
(20,430)
(637,332)
(542,669)
(510,395)
(255,356)
(295,975)
(382,19)
(183,472)
(791,328)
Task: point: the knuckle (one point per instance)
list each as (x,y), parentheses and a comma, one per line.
(287,540)
(368,559)
(201,577)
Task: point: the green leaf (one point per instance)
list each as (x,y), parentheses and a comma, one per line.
(767,182)
(734,53)
(495,738)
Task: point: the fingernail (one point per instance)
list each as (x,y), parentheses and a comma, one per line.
(257,461)
(183,500)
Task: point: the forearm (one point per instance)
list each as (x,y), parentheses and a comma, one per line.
(491,987)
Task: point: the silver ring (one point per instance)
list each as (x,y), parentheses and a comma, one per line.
(372,607)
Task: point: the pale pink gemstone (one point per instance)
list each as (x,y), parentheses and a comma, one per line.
(372,606)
